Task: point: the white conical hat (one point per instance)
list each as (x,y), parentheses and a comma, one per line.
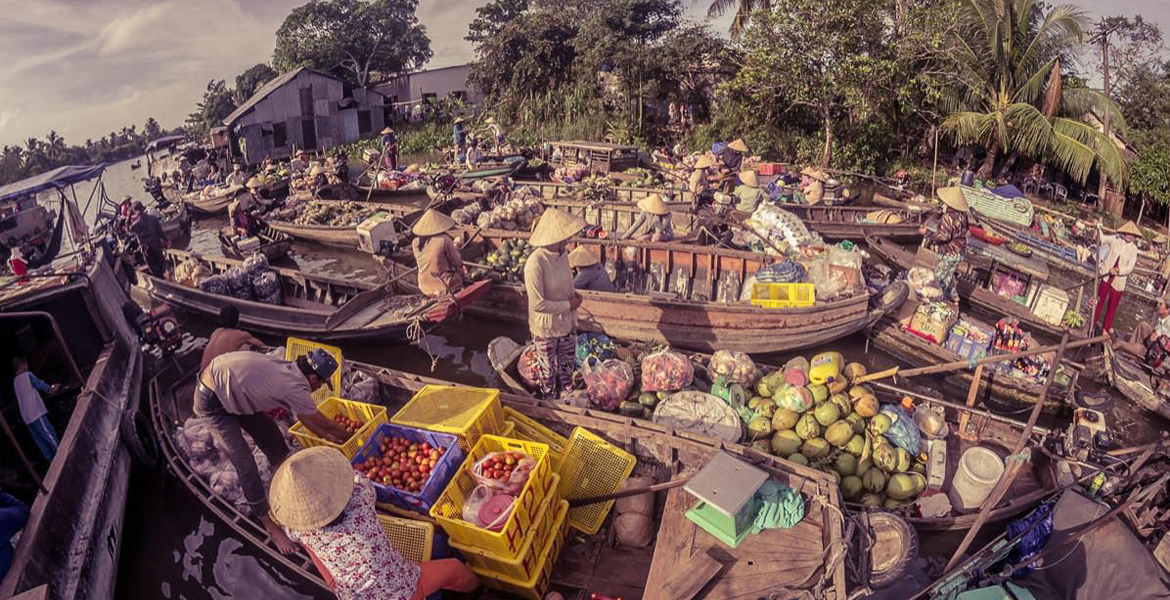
(556,226)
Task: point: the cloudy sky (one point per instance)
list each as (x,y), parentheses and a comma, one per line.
(87,67)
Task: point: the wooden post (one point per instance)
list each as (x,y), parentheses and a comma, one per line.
(971,394)
(1015,463)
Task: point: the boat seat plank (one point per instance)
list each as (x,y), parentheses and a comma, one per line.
(691,576)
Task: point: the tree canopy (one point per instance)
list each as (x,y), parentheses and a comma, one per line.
(251,79)
(218,102)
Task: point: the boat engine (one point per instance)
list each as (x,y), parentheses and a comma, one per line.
(158,328)
(1087,436)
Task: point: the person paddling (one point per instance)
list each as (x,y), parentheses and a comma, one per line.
(950,240)
(440,267)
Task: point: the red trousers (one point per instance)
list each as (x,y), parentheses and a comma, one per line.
(1107,298)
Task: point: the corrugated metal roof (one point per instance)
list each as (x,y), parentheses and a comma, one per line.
(270,87)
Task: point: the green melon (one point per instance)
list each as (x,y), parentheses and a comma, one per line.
(855,445)
(798,458)
(807,427)
(815,448)
(851,487)
(827,414)
(846,464)
(820,393)
(759,428)
(874,480)
(785,442)
(880,424)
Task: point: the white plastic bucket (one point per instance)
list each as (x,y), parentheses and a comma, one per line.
(979,470)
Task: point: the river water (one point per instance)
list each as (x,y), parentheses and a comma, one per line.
(173,548)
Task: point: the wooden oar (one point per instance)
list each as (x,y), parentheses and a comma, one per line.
(630,492)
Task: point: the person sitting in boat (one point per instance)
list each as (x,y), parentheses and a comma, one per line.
(235,392)
(329,509)
(812,186)
(590,274)
(474,154)
(212,177)
(188,176)
(748,194)
(699,183)
(440,267)
(460,138)
(317,179)
(17,265)
(300,164)
(552,301)
(151,239)
(237,177)
(340,167)
(227,337)
(1146,335)
(1116,260)
(653,223)
(242,214)
(732,156)
(268,166)
(949,240)
(389,144)
(13,517)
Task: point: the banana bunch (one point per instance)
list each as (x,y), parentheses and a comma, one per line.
(1073,319)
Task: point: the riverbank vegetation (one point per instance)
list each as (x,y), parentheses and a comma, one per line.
(40,155)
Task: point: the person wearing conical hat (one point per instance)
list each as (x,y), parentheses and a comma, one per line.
(1116,259)
(732,156)
(300,163)
(653,222)
(699,183)
(327,507)
(812,185)
(748,194)
(440,267)
(949,239)
(459,137)
(590,274)
(389,149)
(495,133)
(552,301)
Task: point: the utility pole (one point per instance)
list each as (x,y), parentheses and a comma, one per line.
(1104,182)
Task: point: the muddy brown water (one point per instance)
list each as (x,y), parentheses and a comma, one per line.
(172,548)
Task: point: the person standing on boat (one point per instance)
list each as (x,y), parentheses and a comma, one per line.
(227,337)
(1118,256)
(474,154)
(495,134)
(590,274)
(235,392)
(28,388)
(949,240)
(653,223)
(460,138)
(440,267)
(300,164)
(748,194)
(552,301)
(151,239)
(732,156)
(328,508)
(17,265)
(389,143)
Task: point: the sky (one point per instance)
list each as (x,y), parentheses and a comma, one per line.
(89,67)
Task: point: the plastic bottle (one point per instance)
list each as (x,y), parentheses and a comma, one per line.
(825,367)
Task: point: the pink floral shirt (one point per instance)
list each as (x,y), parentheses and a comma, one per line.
(357,553)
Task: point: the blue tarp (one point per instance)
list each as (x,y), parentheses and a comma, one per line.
(57,178)
(1008,191)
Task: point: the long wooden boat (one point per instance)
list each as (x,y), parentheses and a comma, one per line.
(213,204)
(994,432)
(1135,382)
(315,306)
(556,190)
(686,295)
(508,167)
(979,298)
(273,244)
(344,236)
(378,194)
(1014,392)
(816,551)
(179,225)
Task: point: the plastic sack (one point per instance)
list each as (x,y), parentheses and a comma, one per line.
(828,284)
(216,284)
(666,371)
(735,367)
(596,345)
(608,382)
(920,277)
(529,365)
(903,431)
(794,398)
(255,263)
(845,258)
(239,283)
(473,509)
(493,472)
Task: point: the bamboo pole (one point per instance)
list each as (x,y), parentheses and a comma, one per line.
(1006,479)
(965,417)
(964,364)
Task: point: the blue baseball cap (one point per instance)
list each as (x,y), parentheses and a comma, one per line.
(322,364)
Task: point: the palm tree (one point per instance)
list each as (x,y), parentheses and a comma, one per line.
(1013,99)
(743,12)
(54,146)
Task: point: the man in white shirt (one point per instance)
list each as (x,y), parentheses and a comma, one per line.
(28,389)
(1116,259)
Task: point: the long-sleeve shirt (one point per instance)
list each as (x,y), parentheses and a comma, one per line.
(646,224)
(460,137)
(1116,252)
(732,159)
(951,235)
(747,198)
(594,278)
(439,264)
(698,181)
(548,281)
(28,388)
(149,231)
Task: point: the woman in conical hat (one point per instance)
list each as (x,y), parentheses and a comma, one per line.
(699,183)
(1116,259)
(440,267)
(653,223)
(812,185)
(552,301)
(590,274)
(748,194)
(950,239)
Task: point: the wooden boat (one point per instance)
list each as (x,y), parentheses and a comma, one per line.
(687,296)
(554,190)
(1015,392)
(273,244)
(378,194)
(508,167)
(178,225)
(979,298)
(1136,383)
(315,306)
(344,236)
(213,204)
(815,551)
(851,222)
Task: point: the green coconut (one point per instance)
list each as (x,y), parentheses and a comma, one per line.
(820,393)
(892,503)
(762,445)
(880,424)
(855,445)
(903,461)
(827,414)
(871,499)
(815,448)
(856,421)
(836,475)
(784,418)
(759,428)
(838,386)
(851,487)
(807,427)
(874,480)
(846,464)
(798,458)
(839,433)
(901,487)
(854,370)
(841,401)
(785,442)
(885,457)
(866,405)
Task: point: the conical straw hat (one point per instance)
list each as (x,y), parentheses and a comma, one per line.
(954,198)
(654,205)
(704,162)
(433,222)
(738,145)
(749,179)
(1130,228)
(311,488)
(582,257)
(556,226)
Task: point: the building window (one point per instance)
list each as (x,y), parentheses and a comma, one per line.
(363,122)
(279,135)
(346,90)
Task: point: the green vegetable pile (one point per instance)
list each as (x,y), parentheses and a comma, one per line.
(506,261)
(646,178)
(333,214)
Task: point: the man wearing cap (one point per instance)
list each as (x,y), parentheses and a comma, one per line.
(459,136)
(235,392)
(151,239)
(552,301)
(1116,260)
(748,194)
(300,164)
(590,274)
(237,177)
(389,149)
(653,223)
(949,240)
(440,267)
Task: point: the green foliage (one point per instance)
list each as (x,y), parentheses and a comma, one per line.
(743,12)
(413,139)
(251,79)
(217,104)
(1144,97)
(353,39)
(491,18)
(38,155)
(1150,174)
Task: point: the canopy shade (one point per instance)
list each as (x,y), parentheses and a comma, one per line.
(163,142)
(57,178)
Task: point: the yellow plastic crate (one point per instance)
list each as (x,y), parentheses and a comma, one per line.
(296,347)
(414,540)
(524,566)
(592,466)
(783,295)
(528,429)
(372,414)
(448,509)
(535,587)
(467,412)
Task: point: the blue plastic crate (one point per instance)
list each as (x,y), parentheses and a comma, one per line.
(441,474)
(965,347)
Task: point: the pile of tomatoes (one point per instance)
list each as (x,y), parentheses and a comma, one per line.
(500,465)
(401,463)
(351,425)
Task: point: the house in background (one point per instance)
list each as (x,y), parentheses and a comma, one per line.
(303,109)
(432,84)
